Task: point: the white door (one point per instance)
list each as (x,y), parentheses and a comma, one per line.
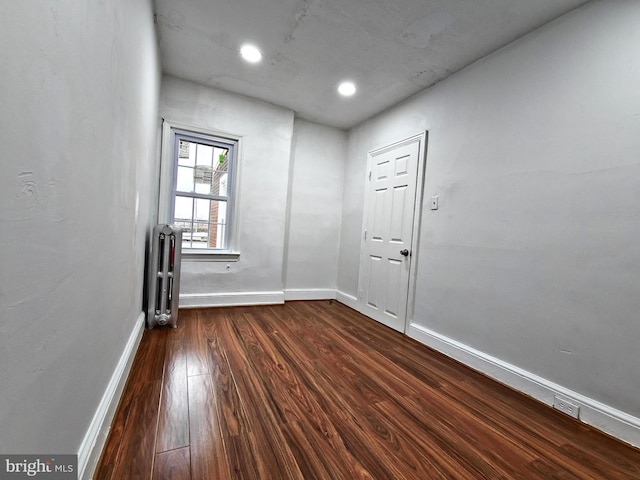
(388,225)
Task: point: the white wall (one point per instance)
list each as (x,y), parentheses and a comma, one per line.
(263,182)
(533,258)
(315,197)
(289,196)
(78,124)
(359,144)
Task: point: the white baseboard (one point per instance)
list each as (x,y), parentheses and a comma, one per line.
(309,294)
(348,300)
(230,299)
(96,436)
(592,412)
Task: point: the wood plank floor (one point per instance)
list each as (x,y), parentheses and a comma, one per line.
(314,390)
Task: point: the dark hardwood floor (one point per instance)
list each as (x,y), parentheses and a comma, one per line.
(314,390)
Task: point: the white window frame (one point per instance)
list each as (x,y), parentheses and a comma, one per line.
(168,172)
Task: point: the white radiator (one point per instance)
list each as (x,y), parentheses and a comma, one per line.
(164,276)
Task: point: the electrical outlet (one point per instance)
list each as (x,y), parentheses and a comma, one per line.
(565,406)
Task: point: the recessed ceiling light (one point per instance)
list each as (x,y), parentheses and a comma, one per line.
(250,53)
(347,89)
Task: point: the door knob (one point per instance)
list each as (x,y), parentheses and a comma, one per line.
(404,253)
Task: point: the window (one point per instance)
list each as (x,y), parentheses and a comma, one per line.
(202,199)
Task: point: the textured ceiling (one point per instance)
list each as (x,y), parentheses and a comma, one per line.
(390,48)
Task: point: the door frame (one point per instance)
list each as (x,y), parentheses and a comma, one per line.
(423,138)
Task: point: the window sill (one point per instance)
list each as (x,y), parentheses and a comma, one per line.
(209,256)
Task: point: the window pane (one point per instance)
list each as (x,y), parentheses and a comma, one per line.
(221,157)
(218,219)
(186,153)
(202,210)
(202,178)
(221,173)
(184,182)
(220,183)
(183,210)
(217,236)
(186,237)
(183,218)
(200,235)
(204,155)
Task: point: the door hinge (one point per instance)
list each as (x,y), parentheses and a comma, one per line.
(365,235)
(369,175)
